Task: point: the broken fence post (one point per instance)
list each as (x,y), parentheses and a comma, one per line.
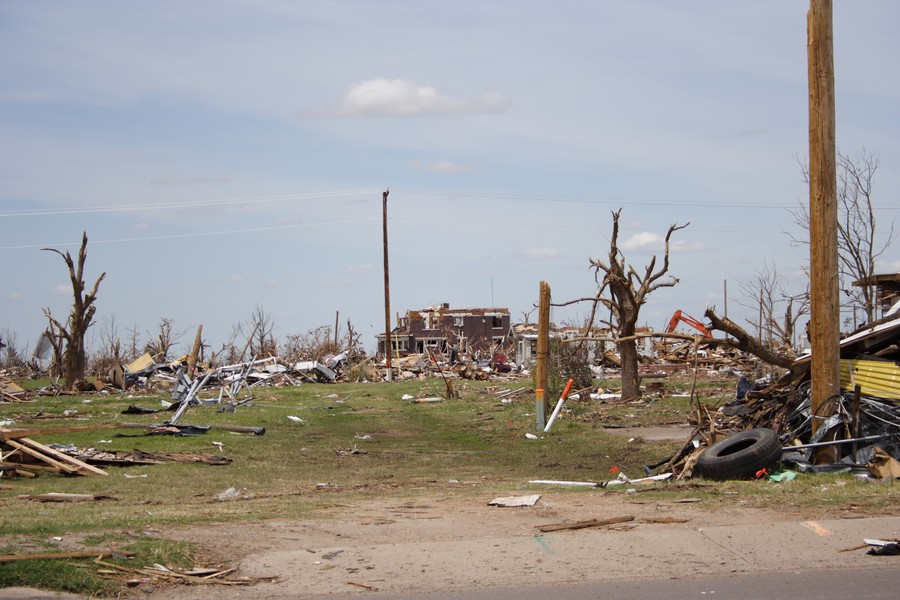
(539,407)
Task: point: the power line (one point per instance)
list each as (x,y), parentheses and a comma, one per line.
(190,235)
(449,194)
(179,204)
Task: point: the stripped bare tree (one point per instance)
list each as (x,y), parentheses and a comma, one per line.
(73,331)
(859,244)
(622,290)
(165,339)
(262,338)
(776,310)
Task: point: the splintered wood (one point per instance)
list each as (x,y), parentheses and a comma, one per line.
(22,455)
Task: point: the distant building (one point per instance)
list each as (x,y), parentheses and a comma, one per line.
(887,291)
(443,330)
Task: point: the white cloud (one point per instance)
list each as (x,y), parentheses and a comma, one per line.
(360,269)
(680,246)
(653,242)
(644,240)
(337,282)
(177,178)
(398,98)
(442,166)
(541,253)
(887,266)
(234,277)
(142,226)
(63,289)
(14,295)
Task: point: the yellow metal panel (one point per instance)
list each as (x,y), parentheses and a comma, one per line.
(875,377)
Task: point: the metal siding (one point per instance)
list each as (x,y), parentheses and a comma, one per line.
(877,378)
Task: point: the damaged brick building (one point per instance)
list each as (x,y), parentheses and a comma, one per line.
(444,330)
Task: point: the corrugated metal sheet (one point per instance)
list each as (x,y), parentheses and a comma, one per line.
(877,378)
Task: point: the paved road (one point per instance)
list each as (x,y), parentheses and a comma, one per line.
(806,585)
(764,560)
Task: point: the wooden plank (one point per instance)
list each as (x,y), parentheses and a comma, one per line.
(80,465)
(20,433)
(6,465)
(65,468)
(64,497)
(586,524)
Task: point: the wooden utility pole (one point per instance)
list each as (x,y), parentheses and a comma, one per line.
(387,291)
(823,247)
(195,352)
(337,315)
(541,379)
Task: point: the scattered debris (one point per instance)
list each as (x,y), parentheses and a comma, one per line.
(516,501)
(883,548)
(75,554)
(184,429)
(863,429)
(194,576)
(666,520)
(22,456)
(622,479)
(10,392)
(233,493)
(365,586)
(123,458)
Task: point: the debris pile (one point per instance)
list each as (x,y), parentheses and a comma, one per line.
(10,392)
(861,429)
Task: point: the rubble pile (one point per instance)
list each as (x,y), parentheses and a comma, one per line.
(860,427)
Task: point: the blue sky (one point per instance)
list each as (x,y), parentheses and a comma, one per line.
(224,155)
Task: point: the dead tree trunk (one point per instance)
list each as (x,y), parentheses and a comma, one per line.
(83,309)
(747,343)
(628,291)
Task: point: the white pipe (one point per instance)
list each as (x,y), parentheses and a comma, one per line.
(575,483)
(559,405)
(554,414)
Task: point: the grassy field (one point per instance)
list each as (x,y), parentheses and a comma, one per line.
(352,441)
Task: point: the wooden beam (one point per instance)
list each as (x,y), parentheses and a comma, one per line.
(53,457)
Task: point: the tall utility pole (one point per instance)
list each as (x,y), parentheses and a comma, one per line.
(823,253)
(387,291)
(541,373)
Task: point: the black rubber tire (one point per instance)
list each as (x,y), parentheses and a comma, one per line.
(740,456)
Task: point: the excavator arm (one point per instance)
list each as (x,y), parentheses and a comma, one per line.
(687,319)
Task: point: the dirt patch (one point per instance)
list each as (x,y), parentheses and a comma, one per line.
(441,542)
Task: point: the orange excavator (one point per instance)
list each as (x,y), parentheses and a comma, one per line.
(687,320)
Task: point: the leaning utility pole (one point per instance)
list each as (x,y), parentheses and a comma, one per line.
(387,291)
(823,251)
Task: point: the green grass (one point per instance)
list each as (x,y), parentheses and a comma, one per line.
(408,449)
